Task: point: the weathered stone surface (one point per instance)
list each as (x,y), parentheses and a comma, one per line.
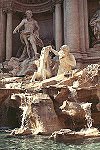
(21,132)
(27,67)
(46,112)
(14,63)
(10,113)
(66,135)
(98,106)
(72,109)
(43,118)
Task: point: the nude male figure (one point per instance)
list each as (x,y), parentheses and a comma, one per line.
(66,59)
(30,32)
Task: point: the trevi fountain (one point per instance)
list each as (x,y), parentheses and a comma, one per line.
(48,100)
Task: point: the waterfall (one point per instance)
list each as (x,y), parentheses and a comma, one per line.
(24,108)
(73,90)
(87,109)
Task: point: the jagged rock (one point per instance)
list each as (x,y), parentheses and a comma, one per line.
(43,117)
(27,67)
(72,109)
(10,111)
(98,106)
(15,65)
(66,135)
(20,132)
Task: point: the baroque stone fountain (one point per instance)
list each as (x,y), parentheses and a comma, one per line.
(64,103)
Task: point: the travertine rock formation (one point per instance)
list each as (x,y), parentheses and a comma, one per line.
(45,100)
(43,114)
(27,67)
(67,135)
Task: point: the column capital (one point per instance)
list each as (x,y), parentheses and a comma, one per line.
(7,5)
(54,2)
(57,1)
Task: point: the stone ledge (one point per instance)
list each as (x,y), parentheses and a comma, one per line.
(89,60)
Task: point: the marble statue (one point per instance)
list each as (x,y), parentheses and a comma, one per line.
(43,72)
(66,59)
(95,24)
(30,34)
(66,62)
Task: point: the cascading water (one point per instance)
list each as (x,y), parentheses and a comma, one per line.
(24,108)
(73,90)
(87,109)
(90,130)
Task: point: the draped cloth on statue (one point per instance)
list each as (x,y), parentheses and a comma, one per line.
(35,36)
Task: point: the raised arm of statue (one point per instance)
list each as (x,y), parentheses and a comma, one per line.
(55,52)
(30,34)
(19,26)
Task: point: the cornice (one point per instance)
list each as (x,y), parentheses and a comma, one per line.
(31,1)
(14,5)
(36,8)
(57,1)
(6,5)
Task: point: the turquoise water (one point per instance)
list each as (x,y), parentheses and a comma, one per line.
(42,143)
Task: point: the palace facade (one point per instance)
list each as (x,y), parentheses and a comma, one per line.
(61,22)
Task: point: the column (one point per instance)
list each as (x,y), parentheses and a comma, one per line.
(86,24)
(2,35)
(71,25)
(58,26)
(9,36)
(84,37)
(82,26)
(54,25)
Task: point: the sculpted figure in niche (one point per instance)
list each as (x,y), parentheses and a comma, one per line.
(66,60)
(43,71)
(95,24)
(30,34)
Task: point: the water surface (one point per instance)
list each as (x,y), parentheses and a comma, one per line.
(42,143)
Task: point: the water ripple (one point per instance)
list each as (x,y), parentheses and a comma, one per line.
(42,143)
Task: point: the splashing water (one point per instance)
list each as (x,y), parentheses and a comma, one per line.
(24,108)
(87,109)
(73,90)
